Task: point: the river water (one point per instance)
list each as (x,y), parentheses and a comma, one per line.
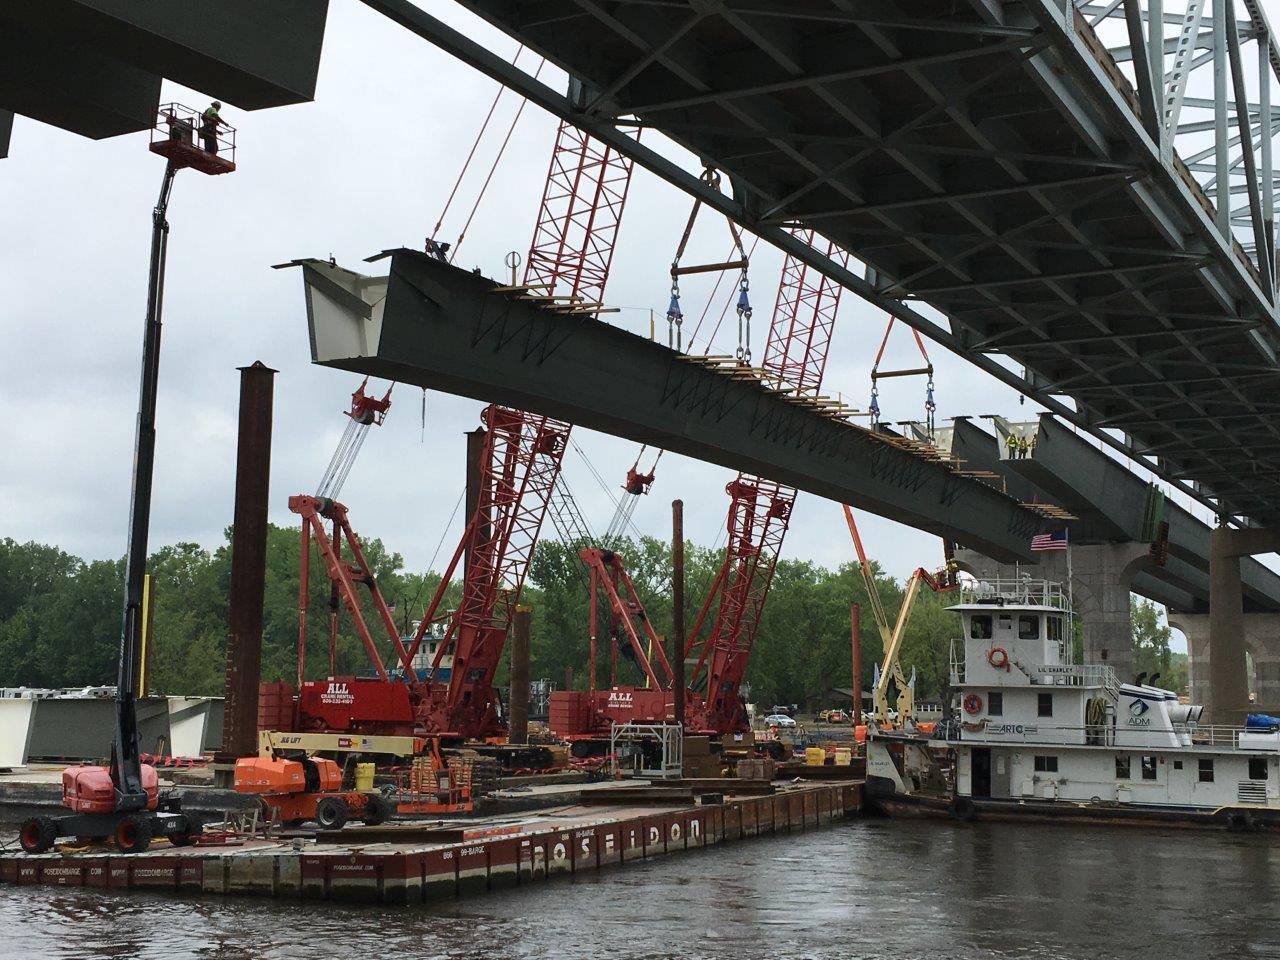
(864,889)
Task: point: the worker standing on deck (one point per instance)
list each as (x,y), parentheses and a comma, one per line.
(209,127)
(1022,448)
(1011,444)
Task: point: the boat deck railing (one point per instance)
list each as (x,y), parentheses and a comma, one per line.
(1055,674)
(998,730)
(1015,590)
(1223,737)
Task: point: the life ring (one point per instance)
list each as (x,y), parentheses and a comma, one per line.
(998,657)
(972,704)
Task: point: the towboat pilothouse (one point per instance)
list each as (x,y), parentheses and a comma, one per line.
(1033,733)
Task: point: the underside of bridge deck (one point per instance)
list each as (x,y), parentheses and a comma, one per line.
(992,160)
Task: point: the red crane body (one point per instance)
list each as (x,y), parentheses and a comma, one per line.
(570,257)
(795,358)
(759,514)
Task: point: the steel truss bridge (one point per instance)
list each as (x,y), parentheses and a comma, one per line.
(1078,197)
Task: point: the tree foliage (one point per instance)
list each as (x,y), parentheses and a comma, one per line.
(60,617)
(1151,653)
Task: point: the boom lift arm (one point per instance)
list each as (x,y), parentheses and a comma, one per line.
(890,668)
(123,800)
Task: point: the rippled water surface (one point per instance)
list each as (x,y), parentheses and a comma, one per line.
(866,889)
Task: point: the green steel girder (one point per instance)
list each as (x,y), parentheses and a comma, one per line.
(440,327)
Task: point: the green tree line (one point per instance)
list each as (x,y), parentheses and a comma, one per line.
(60,618)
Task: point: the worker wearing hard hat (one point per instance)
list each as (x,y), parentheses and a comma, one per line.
(1011,444)
(209,127)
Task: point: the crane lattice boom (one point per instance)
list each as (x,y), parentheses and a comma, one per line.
(795,357)
(570,256)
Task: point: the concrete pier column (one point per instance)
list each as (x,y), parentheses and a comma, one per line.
(1195,627)
(1228,676)
(1228,681)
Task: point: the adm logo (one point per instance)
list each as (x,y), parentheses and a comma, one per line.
(1137,713)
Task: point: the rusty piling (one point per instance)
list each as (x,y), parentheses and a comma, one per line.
(248,561)
(518,721)
(677,606)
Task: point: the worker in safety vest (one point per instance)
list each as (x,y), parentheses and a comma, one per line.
(1022,448)
(209,121)
(1011,444)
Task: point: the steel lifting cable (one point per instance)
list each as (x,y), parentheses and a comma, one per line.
(636,485)
(604,485)
(335,474)
(675,316)
(474,146)
(493,167)
(930,406)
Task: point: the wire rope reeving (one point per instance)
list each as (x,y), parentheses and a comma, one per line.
(724,311)
(492,169)
(474,146)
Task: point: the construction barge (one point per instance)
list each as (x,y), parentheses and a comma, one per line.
(412,863)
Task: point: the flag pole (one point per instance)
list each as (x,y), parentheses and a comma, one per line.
(1071,595)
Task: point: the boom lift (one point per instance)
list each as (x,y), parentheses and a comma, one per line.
(295,785)
(890,667)
(122,800)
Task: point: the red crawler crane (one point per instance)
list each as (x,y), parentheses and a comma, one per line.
(759,514)
(795,357)
(570,257)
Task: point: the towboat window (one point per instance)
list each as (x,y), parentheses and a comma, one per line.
(1046,764)
(1054,625)
(995,703)
(1028,628)
(1148,767)
(1044,705)
(1257,768)
(980,627)
(1206,771)
(1177,764)
(1122,767)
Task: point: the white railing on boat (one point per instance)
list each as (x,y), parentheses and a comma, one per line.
(995,730)
(1046,674)
(1020,590)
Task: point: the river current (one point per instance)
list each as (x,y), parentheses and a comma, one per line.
(873,889)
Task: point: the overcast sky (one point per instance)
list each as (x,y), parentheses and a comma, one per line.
(365,167)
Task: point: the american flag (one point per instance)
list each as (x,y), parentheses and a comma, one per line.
(1050,541)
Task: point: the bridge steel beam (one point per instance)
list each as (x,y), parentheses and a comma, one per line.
(440,327)
(1082,479)
(95,66)
(1051,475)
(1014,187)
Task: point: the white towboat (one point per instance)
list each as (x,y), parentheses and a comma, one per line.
(1035,734)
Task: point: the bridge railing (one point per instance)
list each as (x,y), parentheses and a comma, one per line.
(1179,64)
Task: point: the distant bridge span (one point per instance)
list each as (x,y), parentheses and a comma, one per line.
(1041,172)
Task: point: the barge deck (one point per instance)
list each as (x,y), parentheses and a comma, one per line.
(405,865)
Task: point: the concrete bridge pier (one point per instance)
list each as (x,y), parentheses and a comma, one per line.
(1100,581)
(1219,641)
(1261,643)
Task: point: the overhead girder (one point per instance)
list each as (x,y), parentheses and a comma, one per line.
(1059,95)
(441,327)
(1109,502)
